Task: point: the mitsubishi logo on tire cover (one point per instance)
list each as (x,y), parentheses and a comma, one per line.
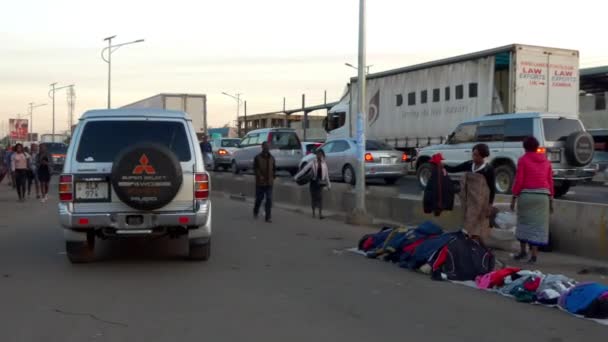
(144,166)
(146,176)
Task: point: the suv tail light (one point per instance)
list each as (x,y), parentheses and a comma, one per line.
(404,157)
(66,188)
(541,150)
(201,186)
(369,158)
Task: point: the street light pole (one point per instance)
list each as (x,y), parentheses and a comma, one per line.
(52,96)
(111,48)
(32,106)
(359,215)
(354,67)
(237,97)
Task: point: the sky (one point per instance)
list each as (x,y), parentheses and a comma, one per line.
(264,49)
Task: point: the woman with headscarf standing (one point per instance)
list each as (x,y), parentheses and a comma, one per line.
(533,193)
(20,167)
(478,191)
(320,180)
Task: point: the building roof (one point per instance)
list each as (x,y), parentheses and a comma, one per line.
(134,112)
(594,80)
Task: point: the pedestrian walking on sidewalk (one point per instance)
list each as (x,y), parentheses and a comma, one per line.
(319,181)
(533,194)
(20,165)
(44,172)
(264,166)
(34,170)
(479,189)
(8,160)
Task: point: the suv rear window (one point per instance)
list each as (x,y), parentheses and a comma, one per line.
(284,141)
(101,141)
(560,129)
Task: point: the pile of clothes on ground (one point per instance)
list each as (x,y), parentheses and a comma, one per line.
(454,256)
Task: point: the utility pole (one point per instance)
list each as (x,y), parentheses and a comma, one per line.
(245,120)
(359,215)
(32,106)
(237,97)
(305,117)
(111,48)
(52,96)
(71,104)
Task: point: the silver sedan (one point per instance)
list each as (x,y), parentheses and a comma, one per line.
(381,161)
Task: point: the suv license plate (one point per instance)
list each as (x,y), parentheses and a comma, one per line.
(91,190)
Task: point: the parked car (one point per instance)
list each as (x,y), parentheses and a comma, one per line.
(381,161)
(223,150)
(309,147)
(57,152)
(564,140)
(133,173)
(285,147)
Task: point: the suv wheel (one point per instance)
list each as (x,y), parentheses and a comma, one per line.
(505,175)
(80,252)
(423,174)
(561,189)
(200,251)
(348,174)
(235,169)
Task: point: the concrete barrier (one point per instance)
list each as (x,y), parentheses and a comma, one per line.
(576,228)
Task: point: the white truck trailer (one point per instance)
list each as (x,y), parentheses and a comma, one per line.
(420,105)
(193,104)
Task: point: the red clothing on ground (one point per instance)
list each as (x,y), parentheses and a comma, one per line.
(534,172)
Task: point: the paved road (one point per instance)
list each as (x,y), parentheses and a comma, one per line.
(286,281)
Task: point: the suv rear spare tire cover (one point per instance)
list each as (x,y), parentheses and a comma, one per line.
(579,148)
(146,176)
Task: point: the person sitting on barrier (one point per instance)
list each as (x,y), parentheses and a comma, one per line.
(319,180)
(533,193)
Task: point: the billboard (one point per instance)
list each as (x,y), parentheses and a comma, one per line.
(18,129)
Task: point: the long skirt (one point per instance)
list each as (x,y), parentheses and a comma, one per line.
(316,194)
(533,219)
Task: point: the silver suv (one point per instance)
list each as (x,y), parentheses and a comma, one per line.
(284,144)
(564,139)
(134,172)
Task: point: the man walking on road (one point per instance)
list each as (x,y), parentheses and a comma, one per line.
(265,168)
(207,150)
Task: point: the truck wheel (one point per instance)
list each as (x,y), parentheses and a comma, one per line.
(504,176)
(561,189)
(235,169)
(423,174)
(80,252)
(199,251)
(348,175)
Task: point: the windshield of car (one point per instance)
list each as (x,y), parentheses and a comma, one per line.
(56,148)
(560,129)
(230,142)
(102,141)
